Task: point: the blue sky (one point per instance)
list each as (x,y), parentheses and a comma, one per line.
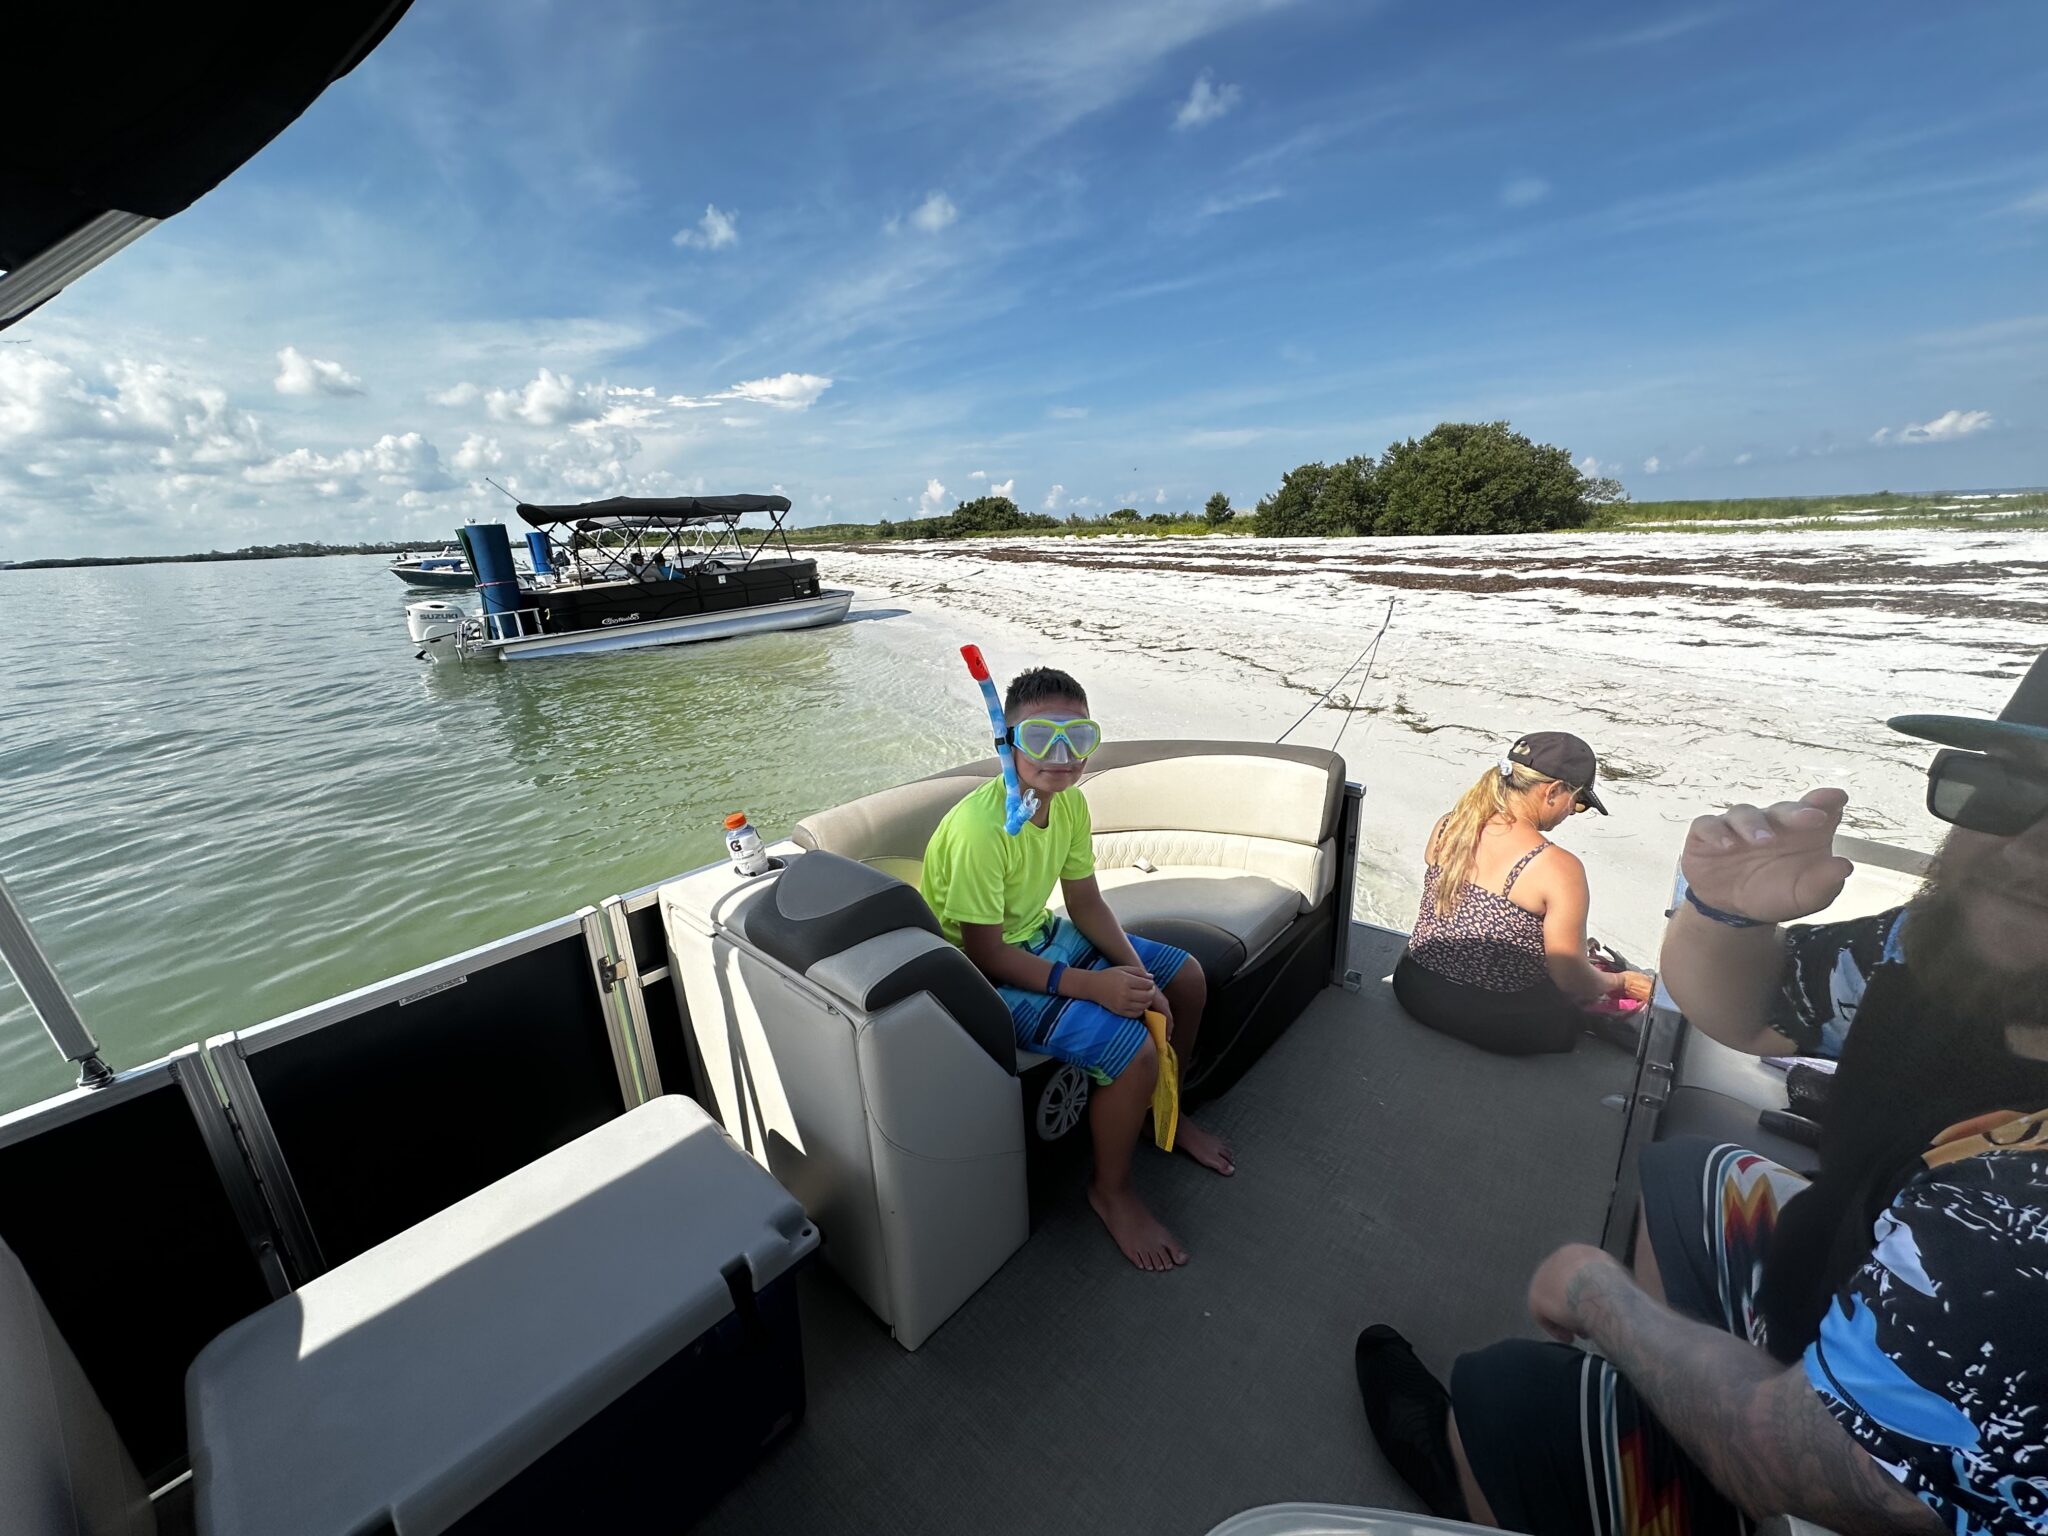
(887,254)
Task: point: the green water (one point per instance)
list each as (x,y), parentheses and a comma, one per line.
(228,791)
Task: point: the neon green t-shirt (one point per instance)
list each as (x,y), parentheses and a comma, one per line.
(975,872)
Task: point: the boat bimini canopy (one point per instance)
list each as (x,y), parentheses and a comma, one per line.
(656,511)
(113,125)
(603,540)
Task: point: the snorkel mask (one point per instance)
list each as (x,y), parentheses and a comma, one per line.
(1019,803)
(1056,743)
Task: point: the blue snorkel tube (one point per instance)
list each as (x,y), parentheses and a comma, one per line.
(1019,804)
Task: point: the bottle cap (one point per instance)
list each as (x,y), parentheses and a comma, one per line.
(735,821)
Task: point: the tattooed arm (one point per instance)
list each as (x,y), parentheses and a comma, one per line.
(1756,1428)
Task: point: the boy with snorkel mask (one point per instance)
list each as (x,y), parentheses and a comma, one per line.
(1078,987)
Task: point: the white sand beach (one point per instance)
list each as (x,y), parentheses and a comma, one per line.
(1703,669)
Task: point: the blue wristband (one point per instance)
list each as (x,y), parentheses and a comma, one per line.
(1052,978)
(1727,919)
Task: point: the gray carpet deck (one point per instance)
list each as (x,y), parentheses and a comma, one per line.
(1386,1174)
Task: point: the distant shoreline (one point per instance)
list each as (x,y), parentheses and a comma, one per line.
(2018,510)
(254,552)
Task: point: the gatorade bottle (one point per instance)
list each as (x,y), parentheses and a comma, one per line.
(744,844)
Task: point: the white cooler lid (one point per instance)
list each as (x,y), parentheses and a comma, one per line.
(421,1376)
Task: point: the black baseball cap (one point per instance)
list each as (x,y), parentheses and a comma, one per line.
(2022,723)
(1563,756)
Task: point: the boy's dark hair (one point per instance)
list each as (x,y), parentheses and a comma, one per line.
(1042,683)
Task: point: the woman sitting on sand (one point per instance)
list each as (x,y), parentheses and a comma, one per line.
(1498,955)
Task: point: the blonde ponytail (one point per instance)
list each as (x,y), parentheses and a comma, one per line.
(1457,838)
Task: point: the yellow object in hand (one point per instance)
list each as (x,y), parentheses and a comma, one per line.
(1166,1091)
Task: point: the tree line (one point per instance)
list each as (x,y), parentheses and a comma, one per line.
(298,551)
(1460,478)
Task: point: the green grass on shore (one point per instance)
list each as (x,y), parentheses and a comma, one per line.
(1882,509)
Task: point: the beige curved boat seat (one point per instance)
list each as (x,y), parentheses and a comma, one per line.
(867,1064)
(63,1468)
(1228,849)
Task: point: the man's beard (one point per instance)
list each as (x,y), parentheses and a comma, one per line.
(1947,965)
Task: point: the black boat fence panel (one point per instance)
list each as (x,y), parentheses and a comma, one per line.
(125,1219)
(373,1112)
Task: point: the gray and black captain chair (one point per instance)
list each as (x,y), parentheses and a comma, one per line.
(868,1065)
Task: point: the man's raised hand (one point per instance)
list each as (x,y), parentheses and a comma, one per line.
(1773,864)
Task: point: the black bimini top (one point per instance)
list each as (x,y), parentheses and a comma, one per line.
(116,124)
(654,509)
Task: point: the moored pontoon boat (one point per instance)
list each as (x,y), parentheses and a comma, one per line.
(635,571)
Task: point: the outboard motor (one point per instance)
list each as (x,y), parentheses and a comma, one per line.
(435,625)
(537,550)
(490,555)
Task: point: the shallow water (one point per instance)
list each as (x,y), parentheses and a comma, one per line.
(229,790)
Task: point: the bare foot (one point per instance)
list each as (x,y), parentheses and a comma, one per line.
(1137,1231)
(1205,1147)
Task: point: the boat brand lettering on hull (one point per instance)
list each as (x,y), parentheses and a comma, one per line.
(426,992)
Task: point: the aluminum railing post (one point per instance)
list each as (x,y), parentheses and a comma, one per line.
(46,994)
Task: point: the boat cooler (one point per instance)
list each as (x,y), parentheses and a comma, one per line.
(606,1339)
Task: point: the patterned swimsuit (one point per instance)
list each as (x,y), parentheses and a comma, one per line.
(1487,942)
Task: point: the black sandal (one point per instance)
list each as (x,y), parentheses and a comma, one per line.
(1410,1415)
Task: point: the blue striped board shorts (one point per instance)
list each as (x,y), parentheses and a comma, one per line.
(1085,1034)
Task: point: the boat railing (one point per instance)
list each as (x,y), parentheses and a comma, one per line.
(513,624)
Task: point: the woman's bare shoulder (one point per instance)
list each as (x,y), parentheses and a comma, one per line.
(1558,863)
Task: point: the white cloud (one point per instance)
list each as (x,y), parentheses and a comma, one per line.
(785,391)
(478,452)
(979,474)
(2032,203)
(1696,456)
(1220,203)
(1524,192)
(1004,488)
(149,416)
(934,213)
(1588,465)
(1067,412)
(298,374)
(1159,497)
(550,400)
(1743,458)
(1206,102)
(460,394)
(1052,498)
(1652,464)
(396,461)
(1946,427)
(714,232)
(933,500)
